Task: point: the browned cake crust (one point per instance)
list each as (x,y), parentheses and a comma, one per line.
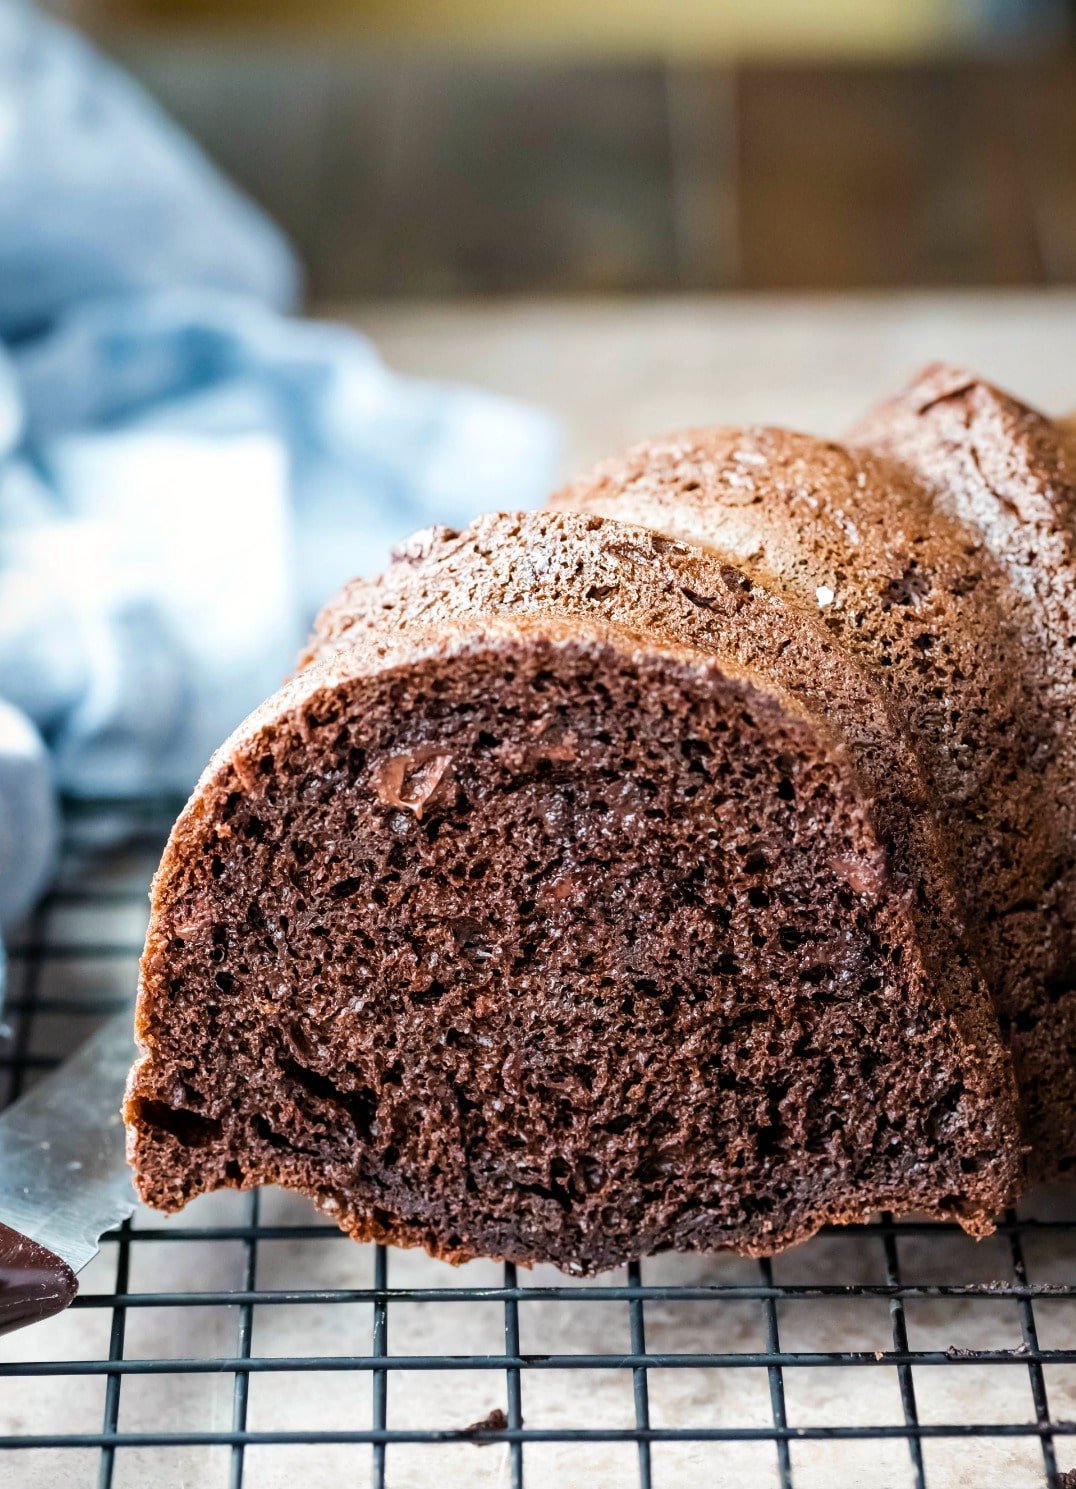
(641,874)
(1009,476)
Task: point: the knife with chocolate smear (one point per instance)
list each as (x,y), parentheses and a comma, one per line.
(64,1179)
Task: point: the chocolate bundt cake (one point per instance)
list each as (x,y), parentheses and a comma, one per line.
(687,865)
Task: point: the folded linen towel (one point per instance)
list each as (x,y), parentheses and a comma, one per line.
(100,193)
(195,475)
(29,822)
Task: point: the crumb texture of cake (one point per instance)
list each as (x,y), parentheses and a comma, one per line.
(686,866)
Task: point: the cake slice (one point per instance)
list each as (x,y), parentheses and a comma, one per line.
(582,895)
(1007,475)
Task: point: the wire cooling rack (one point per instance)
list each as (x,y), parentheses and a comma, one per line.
(246,1343)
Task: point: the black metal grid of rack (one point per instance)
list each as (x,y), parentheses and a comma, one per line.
(37,993)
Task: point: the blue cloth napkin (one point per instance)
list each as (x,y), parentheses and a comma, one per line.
(101,194)
(186,472)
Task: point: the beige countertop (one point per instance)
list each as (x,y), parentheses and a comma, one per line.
(619,370)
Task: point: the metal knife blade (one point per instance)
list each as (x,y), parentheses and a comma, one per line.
(64,1180)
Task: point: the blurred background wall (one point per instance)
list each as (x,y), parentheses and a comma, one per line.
(473,147)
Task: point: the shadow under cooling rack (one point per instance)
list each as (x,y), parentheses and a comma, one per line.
(246,1343)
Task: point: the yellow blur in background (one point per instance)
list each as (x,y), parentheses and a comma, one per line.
(678,28)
